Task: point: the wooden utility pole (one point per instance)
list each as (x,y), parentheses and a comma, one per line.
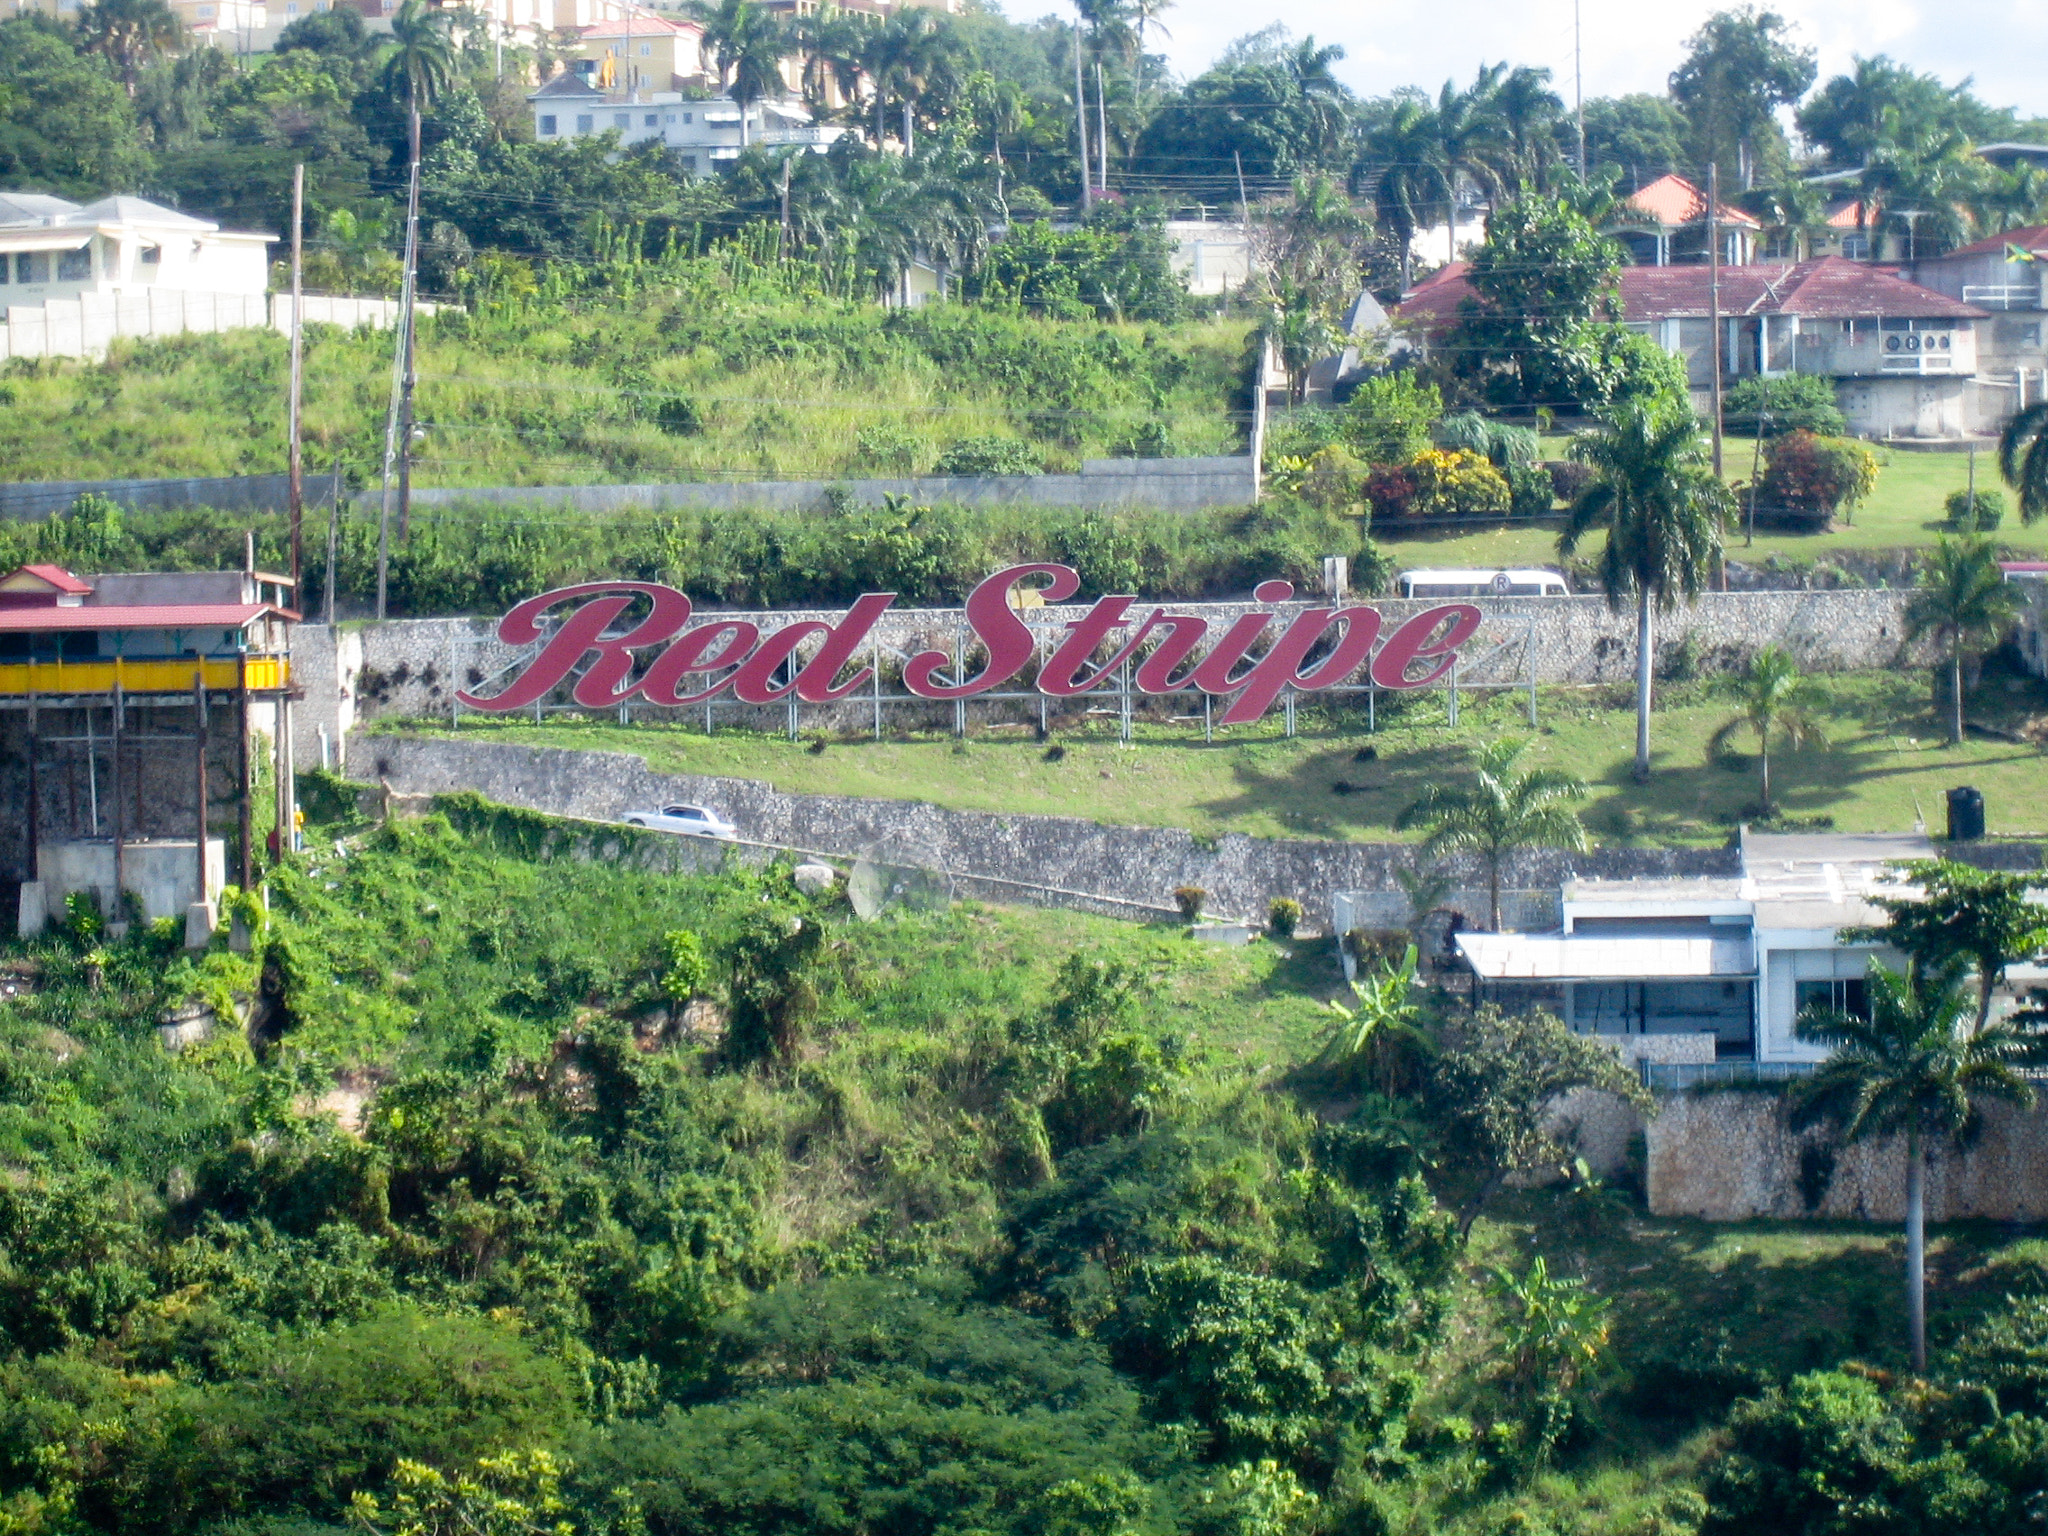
(1101,127)
(298,490)
(782,237)
(333,517)
(199,769)
(1714,300)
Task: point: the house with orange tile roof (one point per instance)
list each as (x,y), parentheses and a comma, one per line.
(1665,224)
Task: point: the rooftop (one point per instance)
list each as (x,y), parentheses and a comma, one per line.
(2032,238)
(1672,201)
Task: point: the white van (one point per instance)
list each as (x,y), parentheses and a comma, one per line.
(1483,583)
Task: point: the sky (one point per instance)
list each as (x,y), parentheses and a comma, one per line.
(1629,45)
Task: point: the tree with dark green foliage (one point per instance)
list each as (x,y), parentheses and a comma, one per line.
(772,980)
(66,124)
(1964,601)
(1957,914)
(1640,136)
(1792,402)
(1740,67)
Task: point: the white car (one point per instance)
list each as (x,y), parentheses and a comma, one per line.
(690,820)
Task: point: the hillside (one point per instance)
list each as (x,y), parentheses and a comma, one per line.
(688,1203)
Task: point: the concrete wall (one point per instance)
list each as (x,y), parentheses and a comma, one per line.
(407,665)
(1136,865)
(1180,485)
(162,872)
(1733,1156)
(228,493)
(87,325)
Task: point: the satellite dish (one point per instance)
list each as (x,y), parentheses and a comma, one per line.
(898,877)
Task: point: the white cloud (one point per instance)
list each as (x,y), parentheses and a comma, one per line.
(1630,45)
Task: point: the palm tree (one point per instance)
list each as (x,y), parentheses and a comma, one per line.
(1792,212)
(2023,460)
(1500,812)
(1664,511)
(1915,1068)
(1775,699)
(130,34)
(831,41)
(1530,115)
(747,43)
(421,65)
(1965,600)
(1411,177)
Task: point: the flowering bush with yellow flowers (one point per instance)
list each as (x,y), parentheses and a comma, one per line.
(1454,483)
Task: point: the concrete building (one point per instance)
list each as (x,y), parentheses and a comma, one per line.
(701,134)
(1665,224)
(2002,274)
(1692,972)
(1903,357)
(130,707)
(56,249)
(643,52)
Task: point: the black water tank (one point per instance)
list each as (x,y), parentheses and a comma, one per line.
(1965,815)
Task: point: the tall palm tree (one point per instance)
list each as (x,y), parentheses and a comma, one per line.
(1776,700)
(831,41)
(129,34)
(1664,511)
(1407,173)
(1964,600)
(1530,114)
(1499,812)
(1915,1069)
(421,65)
(2023,460)
(910,55)
(747,43)
(1472,141)
(1792,212)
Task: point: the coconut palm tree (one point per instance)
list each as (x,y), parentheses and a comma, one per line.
(1775,700)
(1915,1068)
(422,64)
(1530,114)
(747,43)
(1664,511)
(831,41)
(1965,601)
(1499,812)
(1792,212)
(1407,173)
(130,34)
(2023,460)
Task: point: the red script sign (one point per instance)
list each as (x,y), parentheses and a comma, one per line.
(1318,648)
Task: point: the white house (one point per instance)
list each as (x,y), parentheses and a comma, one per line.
(54,249)
(701,134)
(1690,972)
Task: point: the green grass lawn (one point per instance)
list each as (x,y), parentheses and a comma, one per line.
(1884,765)
(1904,510)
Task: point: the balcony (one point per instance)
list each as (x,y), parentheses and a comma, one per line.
(2004,295)
(1921,362)
(261,674)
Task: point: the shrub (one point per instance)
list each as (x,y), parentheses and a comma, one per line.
(1189,898)
(1530,491)
(679,416)
(1499,443)
(989,456)
(889,447)
(1812,478)
(1332,479)
(1390,488)
(1283,916)
(1975,512)
(1388,418)
(1568,478)
(1798,402)
(1455,483)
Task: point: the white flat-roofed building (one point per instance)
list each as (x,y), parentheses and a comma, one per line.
(701,134)
(51,248)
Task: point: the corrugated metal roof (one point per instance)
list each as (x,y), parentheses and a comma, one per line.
(140,616)
(1558,957)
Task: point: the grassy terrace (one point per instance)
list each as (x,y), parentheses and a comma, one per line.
(1904,510)
(1885,763)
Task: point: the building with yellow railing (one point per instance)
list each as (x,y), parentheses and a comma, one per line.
(138,713)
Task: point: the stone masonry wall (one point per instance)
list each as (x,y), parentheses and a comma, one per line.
(1733,1156)
(410,668)
(1135,865)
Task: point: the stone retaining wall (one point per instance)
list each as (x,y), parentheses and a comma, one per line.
(411,668)
(1733,1156)
(1140,865)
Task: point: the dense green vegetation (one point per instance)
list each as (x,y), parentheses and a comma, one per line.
(955,1221)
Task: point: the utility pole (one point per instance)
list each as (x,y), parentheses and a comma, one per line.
(334,517)
(298,490)
(782,238)
(1081,128)
(1714,300)
(408,296)
(1244,207)
(1579,89)
(1101,127)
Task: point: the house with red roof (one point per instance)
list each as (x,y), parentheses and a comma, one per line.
(1665,224)
(133,710)
(1903,357)
(2006,274)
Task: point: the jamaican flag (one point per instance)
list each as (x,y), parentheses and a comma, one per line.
(2018,253)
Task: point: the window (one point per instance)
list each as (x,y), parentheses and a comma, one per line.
(670,118)
(1844,994)
(622,119)
(653,119)
(152,255)
(690,164)
(547,126)
(205,11)
(585,122)
(1856,247)
(689,117)
(75,266)
(32,267)
(647,50)
(6,269)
